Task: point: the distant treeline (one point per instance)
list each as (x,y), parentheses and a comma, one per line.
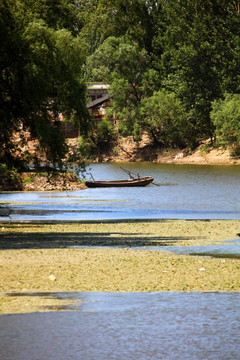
(173,67)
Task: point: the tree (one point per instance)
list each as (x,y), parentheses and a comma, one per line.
(40,76)
(166,120)
(226,118)
(196,51)
(105,18)
(125,65)
(190,48)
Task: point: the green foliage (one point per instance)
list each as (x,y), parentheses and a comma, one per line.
(196,50)
(106,18)
(235,150)
(101,140)
(189,48)
(78,168)
(123,128)
(9,178)
(124,64)
(226,118)
(205,149)
(117,57)
(104,135)
(166,120)
(40,74)
(27,180)
(5,170)
(85,147)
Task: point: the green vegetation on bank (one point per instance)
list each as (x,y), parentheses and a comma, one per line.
(40,75)
(167,63)
(30,254)
(172,66)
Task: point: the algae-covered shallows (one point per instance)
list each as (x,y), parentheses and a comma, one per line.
(42,250)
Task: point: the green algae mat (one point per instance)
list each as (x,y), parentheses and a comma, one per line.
(63,258)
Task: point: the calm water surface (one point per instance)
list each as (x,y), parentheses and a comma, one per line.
(138,326)
(169,326)
(182,192)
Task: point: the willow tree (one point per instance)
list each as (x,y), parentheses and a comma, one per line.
(40,75)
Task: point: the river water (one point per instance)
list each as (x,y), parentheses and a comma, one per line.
(181,192)
(126,326)
(140,326)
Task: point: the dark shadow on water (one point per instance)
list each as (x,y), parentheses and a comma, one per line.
(219,256)
(75,298)
(43,240)
(138,241)
(221,251)
(44,212)
(46,294)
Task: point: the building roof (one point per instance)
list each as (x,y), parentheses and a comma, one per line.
(98,102)
(98,86)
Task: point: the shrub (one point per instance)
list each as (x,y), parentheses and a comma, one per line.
(104,135)
(225,116)
(27,180)
(85,147)
(9,178)
(166,120)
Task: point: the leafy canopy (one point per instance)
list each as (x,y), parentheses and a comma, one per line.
(40,74)
(226,118)
(166,120)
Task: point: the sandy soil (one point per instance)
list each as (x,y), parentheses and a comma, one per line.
(44,258)
(128,150)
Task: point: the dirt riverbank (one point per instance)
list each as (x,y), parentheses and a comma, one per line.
(128,150)
(47,258)
(40,181)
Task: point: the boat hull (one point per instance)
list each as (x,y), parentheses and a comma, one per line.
(120,183)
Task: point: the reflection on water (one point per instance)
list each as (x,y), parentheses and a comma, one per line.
(184,192)
(218,251)
(129,326)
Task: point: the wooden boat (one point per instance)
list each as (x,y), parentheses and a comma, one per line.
(143,181)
